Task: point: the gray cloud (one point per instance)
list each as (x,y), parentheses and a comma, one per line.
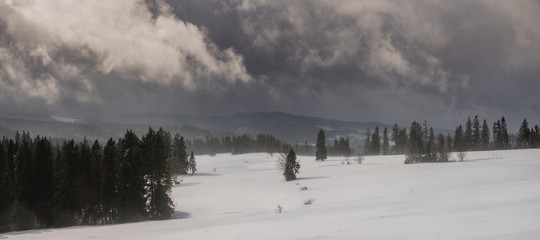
(390,61)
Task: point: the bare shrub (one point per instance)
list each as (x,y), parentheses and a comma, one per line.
(278,209)
(309,201)
(304,188)
(281,161)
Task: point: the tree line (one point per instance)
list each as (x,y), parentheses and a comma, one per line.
(82,183)
(236,144)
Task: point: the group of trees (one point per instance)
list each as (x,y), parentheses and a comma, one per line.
(424,146)
(372,145)
(235,144)
(528,138)
(78,183)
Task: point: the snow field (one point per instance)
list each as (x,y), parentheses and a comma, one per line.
(492,195)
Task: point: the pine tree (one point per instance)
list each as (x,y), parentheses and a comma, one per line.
(367,143)
(320,147)
(523,135)
(24,186)
(292,167)
(179,156)
(386,144)
(5,185)
(484,138)
(156,147)
(192,164)
(460,144)
(375,142)
(504,133)
(44,184)
(468,139)
(497,135)
(66,190)
(476,134)
(415,144)
(110,182)
(441,148)
(132,182)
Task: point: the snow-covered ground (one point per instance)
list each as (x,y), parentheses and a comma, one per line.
(492,195)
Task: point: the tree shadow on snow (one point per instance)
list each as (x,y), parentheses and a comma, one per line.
(310,178)
(481,159)
(180,215)
(33,231)
(207,174)
(186,184)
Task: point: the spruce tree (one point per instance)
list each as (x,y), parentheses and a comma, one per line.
(320,147)
(156,146)
(386,144)
(484,138)
(5,184)
(367,143)
(475,144)
(132,182)
(292,167)
(497,135)
(415,144)
(523,135)
(468,139)
(504,133)
(441,148)
(110,182)
(179,156)
(44,181)
(192,164)
(375,142)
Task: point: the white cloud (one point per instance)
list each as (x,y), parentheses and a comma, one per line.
(68,39)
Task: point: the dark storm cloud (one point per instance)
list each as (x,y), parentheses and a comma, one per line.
(390,61)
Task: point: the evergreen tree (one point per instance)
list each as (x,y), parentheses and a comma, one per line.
(375,142)
(179,156)
(504,133)
(497,135)
(386,144)
(367,144)
(523,135)
(441,148)
(449,142)
(192,164)
(476,134)
(24,186)
(320,147)
(468,139)
(156,146)
(415,144)
(430,147)
(5,204)
(66,190)
(132,182)
(44,181)
(110,182)
(484,138)
(292,167)
(459,140)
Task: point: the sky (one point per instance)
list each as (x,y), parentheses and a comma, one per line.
(386,61)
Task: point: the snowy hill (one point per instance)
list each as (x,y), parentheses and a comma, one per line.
(492,195)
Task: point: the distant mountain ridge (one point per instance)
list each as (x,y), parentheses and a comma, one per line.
(287,127)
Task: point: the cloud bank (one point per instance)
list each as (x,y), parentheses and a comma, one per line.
(388,60)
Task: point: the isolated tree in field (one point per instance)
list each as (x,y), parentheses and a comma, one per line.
(292,167)
(386,143)
(320,147)
(192,164)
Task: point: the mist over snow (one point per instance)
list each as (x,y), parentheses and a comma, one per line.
(386,61)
